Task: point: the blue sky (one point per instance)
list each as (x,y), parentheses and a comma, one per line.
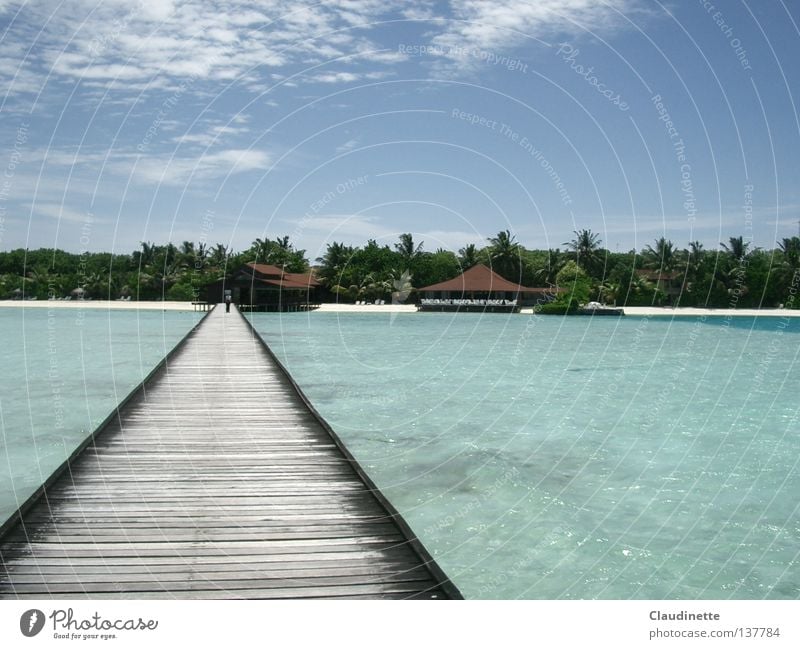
(222,122)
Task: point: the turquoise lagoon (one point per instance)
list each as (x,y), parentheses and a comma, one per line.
(64,371)
(550,457)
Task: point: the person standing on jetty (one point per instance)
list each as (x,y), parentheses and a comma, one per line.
(227,304)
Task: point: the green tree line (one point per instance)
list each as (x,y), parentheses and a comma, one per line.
(736,274)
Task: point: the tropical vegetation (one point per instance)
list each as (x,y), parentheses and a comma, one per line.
(736,274)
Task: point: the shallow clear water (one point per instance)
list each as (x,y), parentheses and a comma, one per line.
(64,371)
(550,457)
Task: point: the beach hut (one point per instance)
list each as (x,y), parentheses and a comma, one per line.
(481,289)
(264,287)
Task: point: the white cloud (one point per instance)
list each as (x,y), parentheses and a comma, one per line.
(148,40)
(503,22)
(348,77)
(173,170)
(62,212)
(347,146)
(215,134)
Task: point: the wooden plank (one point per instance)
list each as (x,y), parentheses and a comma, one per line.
(408,590)
(217,479)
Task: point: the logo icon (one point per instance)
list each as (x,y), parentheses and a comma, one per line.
(31,622)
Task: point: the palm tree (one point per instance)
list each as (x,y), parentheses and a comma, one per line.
(696,249)
(146,256)
(694,264)
(555,262)
(663,256)
(468,256)
(790,247)
(37,281)
(191,257)
(407,249)
(334,262)
(260,249)
(586,247)
(218,255)
(504,252)
(738,248)
(608,292)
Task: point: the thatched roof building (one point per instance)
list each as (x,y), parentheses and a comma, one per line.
(265,287)
(480,288)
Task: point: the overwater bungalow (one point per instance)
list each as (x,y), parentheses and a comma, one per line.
(264,287)
(481,289)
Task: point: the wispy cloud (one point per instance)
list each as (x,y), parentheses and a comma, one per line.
(508,22)
(347,146)
(215,134)
(172,170)
(348,77)
(117,43)
(62,212)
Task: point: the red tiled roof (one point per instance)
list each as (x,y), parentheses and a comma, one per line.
(285,283)
(265,269)
(306,279)
(481,279)
(273,274)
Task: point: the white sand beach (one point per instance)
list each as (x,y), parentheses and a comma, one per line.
(96,304)
(629,310)
(366,308)
(382,308)
(695,312)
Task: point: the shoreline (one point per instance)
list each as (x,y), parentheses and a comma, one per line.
(690,311)
(336,307)
(666,312)
(97,304)
(333,307)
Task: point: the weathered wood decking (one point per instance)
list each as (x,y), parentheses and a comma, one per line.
(216,480)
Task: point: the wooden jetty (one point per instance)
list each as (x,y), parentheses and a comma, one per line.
(214,479)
